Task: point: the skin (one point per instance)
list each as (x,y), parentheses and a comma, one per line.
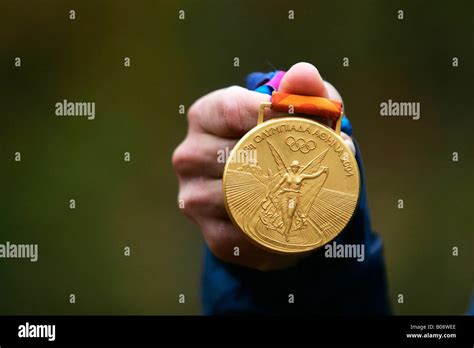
(216,121)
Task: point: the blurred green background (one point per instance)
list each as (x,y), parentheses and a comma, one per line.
(174,62)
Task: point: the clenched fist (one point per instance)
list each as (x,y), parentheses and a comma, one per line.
(216,121)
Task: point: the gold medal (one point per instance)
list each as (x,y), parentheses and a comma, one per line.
(291,184)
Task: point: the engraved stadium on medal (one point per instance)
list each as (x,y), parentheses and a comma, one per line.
(299,192)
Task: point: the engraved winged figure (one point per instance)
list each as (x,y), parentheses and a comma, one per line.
(288,195)
(280,202)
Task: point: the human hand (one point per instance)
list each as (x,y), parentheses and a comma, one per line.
(216,121)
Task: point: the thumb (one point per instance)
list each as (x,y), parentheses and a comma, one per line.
(303,79)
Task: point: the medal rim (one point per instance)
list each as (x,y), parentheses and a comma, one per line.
(287,118)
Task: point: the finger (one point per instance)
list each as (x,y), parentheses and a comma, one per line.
(202,154)
(332,91)
(303,79)
(223,238)
(349,142)
(228,112)
(334,94)
(202,197)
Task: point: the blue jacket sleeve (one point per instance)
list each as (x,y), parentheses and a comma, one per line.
(319,285)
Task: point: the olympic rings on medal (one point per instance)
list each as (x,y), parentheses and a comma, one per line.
(300,144)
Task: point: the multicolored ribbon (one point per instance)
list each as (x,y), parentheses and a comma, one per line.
(268,83)
(308,105)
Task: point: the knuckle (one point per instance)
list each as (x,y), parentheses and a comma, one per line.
(229,109)
(185,157)
(217,242)
(189,208)
(194,196)
(193,112)
(179,158)
(219,249)
(234,90)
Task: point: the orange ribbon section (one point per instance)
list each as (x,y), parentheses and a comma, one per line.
(302,104)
